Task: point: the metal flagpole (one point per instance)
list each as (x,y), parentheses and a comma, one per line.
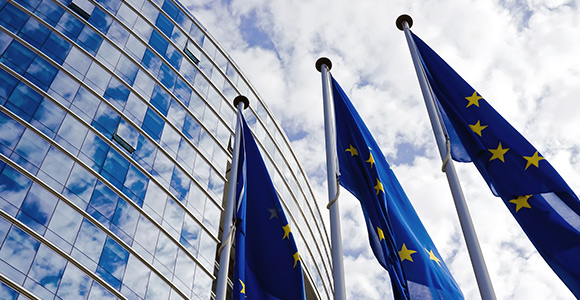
(323,65)
(404,22)
(240,102)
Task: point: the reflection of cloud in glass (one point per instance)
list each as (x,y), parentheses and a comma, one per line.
(136,276)
(47,268)
(166,252)
(74,283)
(18,249)
(13,186)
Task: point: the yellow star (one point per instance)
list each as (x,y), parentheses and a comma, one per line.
(352,151)
(433,257)
(521,201)
(473,99)
(286,231)
(296,258)
(477,128)
(381,234)
(498,153)
(371,160)
(243,291)
(406,253)
(533,160)
(379,187)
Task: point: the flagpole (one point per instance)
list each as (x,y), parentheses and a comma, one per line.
(240,102)
(404,22)
(323,65)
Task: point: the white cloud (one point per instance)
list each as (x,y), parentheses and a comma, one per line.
(521,55)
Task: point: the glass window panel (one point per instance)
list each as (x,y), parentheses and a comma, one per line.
(74,284)
(191,129)
(182,92)
(207,247)
(56,47)
(19,249)
(197,34)
(114,258)
(176,114)
(100,293)
(167,76)
(128,136)
(104,200)
(136,277)
(101,20)
(77,62)
(32,147)
(144,83)
(7,84)
(41,73)
(190,233)
(17,57)
(135,185)
(13,186)
(196,201)
(155,198)
(89,242)
(12,17)
(127,14)
(173,216)
(188,71)
(51,12)
(166,252)
(65,222)
(11,132)
(151,61)
(135,109)
(153,124)
(47,268)
(39,204)
(118,34)
(186,155)
(95,149)
(85,6)
(142,28)
(89,40)
(149,10)
(112,5)
(164,25)
(158,42)
(117,93)
(160,99)
(185,268)
(145,153)
(106,120)
(108,54)
(157,288)
(71,134)
(202,284)
(170,9)
(34,32)
(57,165)
(211,216)
(179,38)
(135,48)
(116,166)
(173,56)
(80,185)
(48,117)
(70,26)
(97,78)
(127,70)
(180,184)
(163,169)
(126,218)
(146,235)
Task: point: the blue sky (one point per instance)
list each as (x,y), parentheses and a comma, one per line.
(520,55)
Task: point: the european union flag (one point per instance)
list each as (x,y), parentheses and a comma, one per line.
(397,236)
(267,263)
(545,207)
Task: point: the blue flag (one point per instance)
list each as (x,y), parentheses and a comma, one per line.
(397,236)
(267,263)
(545,207)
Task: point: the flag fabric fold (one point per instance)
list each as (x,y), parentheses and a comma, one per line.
(267,263)
(542,203)
(397,237)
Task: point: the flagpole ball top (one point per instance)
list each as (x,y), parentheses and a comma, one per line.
(404,18)
(242,99)
(323,61)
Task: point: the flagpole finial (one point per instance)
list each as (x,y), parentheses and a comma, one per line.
(323,61)
(242,99)
(402,19)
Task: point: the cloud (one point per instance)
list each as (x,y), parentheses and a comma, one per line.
(520,55)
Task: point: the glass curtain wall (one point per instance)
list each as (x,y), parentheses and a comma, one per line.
(115,120)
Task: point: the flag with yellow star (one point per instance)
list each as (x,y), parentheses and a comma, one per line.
(397,237)
(267,263)
(547,210)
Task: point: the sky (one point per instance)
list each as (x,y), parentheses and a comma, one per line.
(521,56)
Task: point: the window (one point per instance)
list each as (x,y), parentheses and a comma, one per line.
(126,136)
(189,54)
(82,7)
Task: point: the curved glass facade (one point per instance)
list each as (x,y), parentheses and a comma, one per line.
(115,122)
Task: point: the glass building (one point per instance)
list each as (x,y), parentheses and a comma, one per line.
(115,129)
